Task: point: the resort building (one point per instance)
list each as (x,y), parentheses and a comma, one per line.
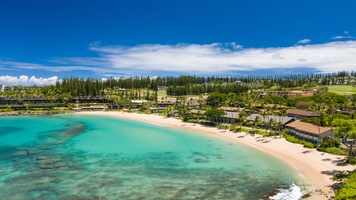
(89,99)
(28,100)
(4,87)
(156,109)
(266,120)
(263,106)
(229,117)
(309,132)
(232,109)
(91,108)
(165,104)
(197,112)
(301,113)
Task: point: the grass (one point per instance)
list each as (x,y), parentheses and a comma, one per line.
(342,89)
(162,93)
(334,151)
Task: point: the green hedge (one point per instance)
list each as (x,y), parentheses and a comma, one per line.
(309,145)
(334,150)
(295,140)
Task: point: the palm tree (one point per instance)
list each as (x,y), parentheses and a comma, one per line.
(282,113)
(314,108)
(168,111)
(256,123)
(241,118)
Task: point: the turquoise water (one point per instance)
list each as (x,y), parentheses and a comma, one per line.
(69,157)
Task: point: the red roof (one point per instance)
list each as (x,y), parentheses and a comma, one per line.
(303,113)
(306,127)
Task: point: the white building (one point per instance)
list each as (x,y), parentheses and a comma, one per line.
(4,87)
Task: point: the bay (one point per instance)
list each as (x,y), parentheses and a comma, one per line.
(78,156)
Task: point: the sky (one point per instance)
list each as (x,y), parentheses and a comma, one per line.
(44,41)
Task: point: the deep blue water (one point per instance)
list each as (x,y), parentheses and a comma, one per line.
(70,156)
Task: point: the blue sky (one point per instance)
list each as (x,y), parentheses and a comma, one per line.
(43,41)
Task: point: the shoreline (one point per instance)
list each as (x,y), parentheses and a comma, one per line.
(315,168)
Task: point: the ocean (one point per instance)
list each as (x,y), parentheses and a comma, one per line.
(96,157)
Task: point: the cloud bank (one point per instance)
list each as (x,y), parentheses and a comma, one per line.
(221,59)
(194,59)
(25,80)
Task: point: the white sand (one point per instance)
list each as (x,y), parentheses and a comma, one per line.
(316,167)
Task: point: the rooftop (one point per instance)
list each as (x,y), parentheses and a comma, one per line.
(267,118)
(303,113)
(306,127)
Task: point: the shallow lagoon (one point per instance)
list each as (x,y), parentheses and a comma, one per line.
(70,156)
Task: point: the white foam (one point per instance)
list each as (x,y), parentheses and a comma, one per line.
(292,193)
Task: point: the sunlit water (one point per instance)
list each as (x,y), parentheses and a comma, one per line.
(70,157)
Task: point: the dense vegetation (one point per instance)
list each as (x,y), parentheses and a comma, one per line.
(347,190)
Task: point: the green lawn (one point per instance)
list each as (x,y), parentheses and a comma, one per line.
(162,93)
(342,89)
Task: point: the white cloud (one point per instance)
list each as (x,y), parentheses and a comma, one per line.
(304,41)
(345,36)
(338,37)
(25,80)
(219,59)
(201,59)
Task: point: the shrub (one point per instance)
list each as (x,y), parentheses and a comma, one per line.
(245,130)
(337,151)
(353,161)
(309,145)
(328,142)
(322,149)
(292,139)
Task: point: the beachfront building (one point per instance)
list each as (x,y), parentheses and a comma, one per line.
(137,103)
(229,117)
(89,99)
(27,103)
(165,104)
(301,113)
(309,132)
(157,109)
(266,120)
(232,109)
(91,108)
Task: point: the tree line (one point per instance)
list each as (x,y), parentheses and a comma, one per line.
(206,89)
(195,85)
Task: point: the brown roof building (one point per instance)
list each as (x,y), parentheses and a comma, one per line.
(301,113)
(308,131)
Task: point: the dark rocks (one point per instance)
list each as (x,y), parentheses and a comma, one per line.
(41,158)
(48,161)
(51,166)
(31,177)
(76,197)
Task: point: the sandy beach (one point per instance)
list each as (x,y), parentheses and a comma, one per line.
(315,168)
